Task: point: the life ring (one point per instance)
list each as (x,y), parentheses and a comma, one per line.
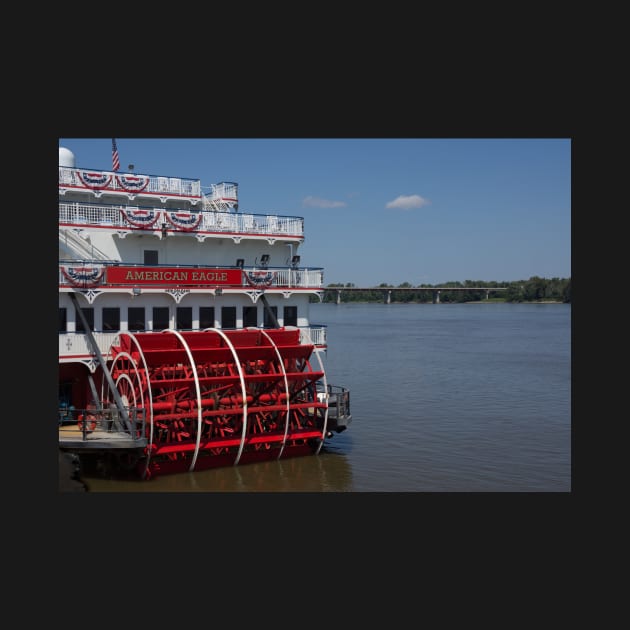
(90,422)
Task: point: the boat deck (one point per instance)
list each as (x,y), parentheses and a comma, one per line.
(71,437)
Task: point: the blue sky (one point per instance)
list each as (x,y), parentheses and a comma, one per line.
(387,210)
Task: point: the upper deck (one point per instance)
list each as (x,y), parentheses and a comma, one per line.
(132,185)
(126,219)
(128,203)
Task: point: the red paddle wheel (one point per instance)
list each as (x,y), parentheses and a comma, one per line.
(216,398)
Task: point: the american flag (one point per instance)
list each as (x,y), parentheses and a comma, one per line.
(115,158)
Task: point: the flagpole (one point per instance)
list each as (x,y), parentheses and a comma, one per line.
(115,156)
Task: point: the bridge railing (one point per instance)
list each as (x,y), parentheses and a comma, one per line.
(416,288)
(387,291)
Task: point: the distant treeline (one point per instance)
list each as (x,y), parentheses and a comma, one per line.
(533,290)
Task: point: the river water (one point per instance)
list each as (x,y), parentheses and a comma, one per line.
(444,398)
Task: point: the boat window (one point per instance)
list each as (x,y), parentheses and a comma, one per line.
(206,317)
(184,318)
(290,315)
(135,318)
(150,257)
(160,318)
(228,317)
(111,318)
(89,316)
(269,323)
(250,316)
(63,319)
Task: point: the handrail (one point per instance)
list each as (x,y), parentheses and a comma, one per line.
(91,423)
(121,217)
(99,181)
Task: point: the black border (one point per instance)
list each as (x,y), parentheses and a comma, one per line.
(458,106)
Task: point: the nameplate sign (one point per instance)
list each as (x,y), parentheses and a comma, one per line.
(173,275)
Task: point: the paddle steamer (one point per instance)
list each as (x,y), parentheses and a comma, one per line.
(184,334)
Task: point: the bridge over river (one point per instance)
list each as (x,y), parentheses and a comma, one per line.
(387,291)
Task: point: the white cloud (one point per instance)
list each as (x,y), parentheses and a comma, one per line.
(316,202)
(407,202)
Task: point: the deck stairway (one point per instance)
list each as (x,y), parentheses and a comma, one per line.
(78,248)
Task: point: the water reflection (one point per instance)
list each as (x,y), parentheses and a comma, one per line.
(326,472)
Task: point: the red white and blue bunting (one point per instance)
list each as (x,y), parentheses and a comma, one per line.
(184,220)
(84,276)
(95,180)
(133,183)
(260,278)
(141,218)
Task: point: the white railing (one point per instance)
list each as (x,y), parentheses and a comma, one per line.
(223,191)
(132,184)
(87,214)
(296,278)
(106,181)
(315,335)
